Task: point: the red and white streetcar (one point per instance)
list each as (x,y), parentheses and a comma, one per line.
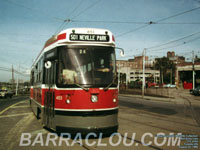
(73,82)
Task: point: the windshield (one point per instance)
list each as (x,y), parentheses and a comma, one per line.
(87,66)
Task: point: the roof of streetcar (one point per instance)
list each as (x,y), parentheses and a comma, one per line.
(63,38)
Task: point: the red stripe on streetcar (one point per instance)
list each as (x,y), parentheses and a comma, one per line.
(59,37)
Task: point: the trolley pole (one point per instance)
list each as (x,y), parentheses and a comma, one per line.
(193,71)
(119,78)
(143,76)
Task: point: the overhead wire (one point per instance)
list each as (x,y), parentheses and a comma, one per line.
(110,22)
(178,14)
(131,22)
(151,22)
(187,36)
(37,11)
(87,8)
(184,42)
(63,23)
(81,12)
(10,70)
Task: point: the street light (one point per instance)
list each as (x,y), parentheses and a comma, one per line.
(143,75)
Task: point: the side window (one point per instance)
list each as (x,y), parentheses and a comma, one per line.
(89,67)
(35,75)
(40,70)
(32,78)
(49,75)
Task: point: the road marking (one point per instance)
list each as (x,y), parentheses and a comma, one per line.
(15,115)
(21,126)
(21,106)
(11,107)
(43,131)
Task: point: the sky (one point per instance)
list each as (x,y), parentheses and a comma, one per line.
(25,25)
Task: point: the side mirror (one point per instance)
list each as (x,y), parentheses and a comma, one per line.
(121,51)
(47,64)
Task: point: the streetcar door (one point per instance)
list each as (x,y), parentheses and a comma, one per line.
(49,97)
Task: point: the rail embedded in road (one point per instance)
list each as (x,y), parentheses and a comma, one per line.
(140,126)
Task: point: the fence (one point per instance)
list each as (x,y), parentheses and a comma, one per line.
(160,92)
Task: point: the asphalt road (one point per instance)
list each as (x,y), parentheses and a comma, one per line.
(6,102)
(178,107)
(158,107)
(136,116)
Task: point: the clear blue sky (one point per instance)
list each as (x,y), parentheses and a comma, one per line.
(26,24)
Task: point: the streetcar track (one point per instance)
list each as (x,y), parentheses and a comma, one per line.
(129,138)
(151,146)
(160,117)
(192,110)
(85,146)
(157,127)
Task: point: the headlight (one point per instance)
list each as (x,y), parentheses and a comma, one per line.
(114,100)
(94,98)
(68,101)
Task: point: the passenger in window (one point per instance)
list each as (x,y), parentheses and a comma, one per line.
(69,76)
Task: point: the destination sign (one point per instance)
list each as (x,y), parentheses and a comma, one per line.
(89,37)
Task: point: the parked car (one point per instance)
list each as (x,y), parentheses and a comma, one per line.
(169,85)
(196,91)
(152,84)
(172,86)
(6,94)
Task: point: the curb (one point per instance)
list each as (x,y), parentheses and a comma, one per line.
(148,98)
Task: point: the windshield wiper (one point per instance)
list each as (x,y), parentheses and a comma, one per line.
(86,89)
(107,87)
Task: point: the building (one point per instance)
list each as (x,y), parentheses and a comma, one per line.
(133,68)
(184,74)
(150,75)
(184,71)
(175,58)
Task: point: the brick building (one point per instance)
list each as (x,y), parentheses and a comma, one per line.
(133,68)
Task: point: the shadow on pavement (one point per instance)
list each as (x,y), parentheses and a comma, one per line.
(159,110)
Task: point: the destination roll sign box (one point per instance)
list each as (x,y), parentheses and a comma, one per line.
(89,37)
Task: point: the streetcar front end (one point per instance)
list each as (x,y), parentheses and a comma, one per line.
(74,82)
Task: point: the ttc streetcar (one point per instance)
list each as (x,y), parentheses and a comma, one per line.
(74,82)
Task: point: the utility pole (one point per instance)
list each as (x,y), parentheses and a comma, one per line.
(17,85)
(193,71)
(13,80)
(171,75)
(171,70)
(127,76)
(143,75)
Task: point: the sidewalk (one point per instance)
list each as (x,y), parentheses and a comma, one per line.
(148,97)
(174,96)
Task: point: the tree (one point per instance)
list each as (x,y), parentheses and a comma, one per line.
(167,69)
(197,59)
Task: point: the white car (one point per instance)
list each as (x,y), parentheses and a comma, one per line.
(172,85)
(169,86)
